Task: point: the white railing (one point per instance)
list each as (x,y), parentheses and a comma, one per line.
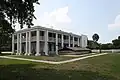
(59,40)
(15,41)
(23,39)
(42,38)
(109,51)
(75,42)
(71,41)
(66,41)
(51,39)
(33,38)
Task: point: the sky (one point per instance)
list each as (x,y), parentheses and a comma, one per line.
(81,17)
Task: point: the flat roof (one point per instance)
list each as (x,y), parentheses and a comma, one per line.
(45,28)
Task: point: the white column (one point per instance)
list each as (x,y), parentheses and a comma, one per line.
(81,41)
(78,41)
(69,41)
(46,43)
(56,43)
(20,43)
(13,47)
(37,43)
(73,42)
(26,43)
(29,43)
(62,41)
(17,44)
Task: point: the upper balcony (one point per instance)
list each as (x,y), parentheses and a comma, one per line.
(66,41)
(41,38)
(76,42)
(51,39)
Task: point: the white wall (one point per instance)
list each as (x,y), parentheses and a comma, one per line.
(83,41)
(109,51)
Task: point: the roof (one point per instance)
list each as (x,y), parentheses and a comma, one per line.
(73,49)
(44,28)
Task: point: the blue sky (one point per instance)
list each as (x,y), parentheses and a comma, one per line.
(81,17)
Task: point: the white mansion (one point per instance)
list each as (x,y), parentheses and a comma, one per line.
(44,40)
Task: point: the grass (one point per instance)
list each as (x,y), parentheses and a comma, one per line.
(105,67)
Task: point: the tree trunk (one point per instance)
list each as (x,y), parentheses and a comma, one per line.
(100,48)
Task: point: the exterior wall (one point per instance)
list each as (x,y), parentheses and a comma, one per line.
(40,39)
(83,41)
(108,51)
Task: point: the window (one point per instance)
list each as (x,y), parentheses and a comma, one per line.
(41,33)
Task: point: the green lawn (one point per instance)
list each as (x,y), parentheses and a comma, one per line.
(105,67)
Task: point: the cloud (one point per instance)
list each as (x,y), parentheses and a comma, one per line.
(116,24)
(56,18)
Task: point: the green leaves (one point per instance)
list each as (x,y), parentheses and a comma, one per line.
(95,37)
(116,43)
(20,11)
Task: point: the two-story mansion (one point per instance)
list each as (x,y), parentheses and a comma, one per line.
(44,40)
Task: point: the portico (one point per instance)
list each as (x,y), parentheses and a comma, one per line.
(40,40)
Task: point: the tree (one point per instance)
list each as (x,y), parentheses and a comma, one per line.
(116,43)
(5,31)
(107,46)
(14,11)
(95,38)
(92,44)
(118,37)
(20,11)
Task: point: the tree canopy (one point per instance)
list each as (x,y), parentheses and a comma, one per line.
(20,11)
(11,12)
(5,31)
(95,37)
(116,43)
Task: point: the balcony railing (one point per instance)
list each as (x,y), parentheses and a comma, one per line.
(59,40)
(42,38)
(33,38)
(66,41)
(23,39)
(75,42)
(51,39)
(15,41)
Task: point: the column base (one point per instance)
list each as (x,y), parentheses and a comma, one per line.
(46,54)
(37,54)
(29,54)
(17,53)
(12,53)
(56,53)
(26,54)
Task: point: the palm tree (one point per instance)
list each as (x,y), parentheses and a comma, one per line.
(95,38)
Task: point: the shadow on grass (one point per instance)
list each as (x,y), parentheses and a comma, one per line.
(26,72)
